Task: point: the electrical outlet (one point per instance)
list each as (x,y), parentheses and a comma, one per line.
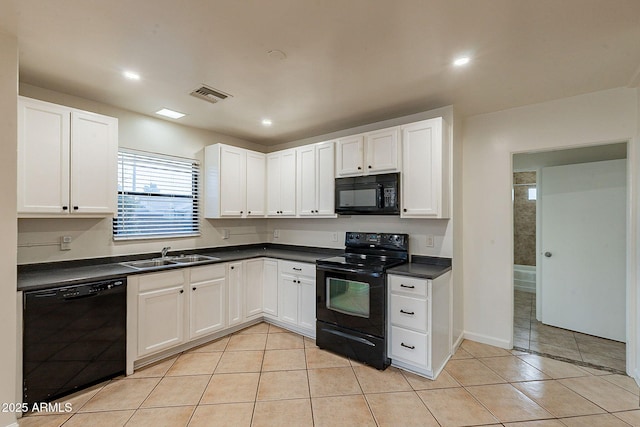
(430,241)
(276,233)
(225,233)
(334,236)
(65,243)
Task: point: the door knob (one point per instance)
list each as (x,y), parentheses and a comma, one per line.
(547,254)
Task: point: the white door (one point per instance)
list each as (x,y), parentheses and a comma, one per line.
(160,319)
(253,287)
(383,150)
(288,298)
(288,182)
(307,180)
(270,288)
(274,162)
(307,307)
(325,181)
(233,181)
(256,187)
(206,307)
(234,292)
(350,156)
(43,157)
(94,163)
(422,170)
(583,231)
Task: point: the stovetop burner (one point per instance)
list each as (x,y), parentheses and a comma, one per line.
(370,252)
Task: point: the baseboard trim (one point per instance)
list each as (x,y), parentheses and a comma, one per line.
(485,339)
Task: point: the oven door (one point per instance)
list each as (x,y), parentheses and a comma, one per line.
(351,299)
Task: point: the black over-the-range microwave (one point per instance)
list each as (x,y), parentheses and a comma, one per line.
(368,195)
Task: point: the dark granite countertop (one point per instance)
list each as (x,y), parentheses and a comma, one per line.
(33,277)
(423,267)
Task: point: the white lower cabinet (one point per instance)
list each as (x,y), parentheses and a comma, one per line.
(297,296)
(169,311)
(420,323)
(207,300)
(161,298)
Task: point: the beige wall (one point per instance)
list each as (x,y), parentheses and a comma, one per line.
(8,161)
(489,141)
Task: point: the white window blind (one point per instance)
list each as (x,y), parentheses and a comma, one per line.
(157,196)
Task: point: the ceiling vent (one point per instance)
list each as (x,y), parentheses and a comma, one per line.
(209,94)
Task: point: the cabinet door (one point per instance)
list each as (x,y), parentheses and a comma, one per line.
(288,298)
(256,175)
(422,170)
(233,181)
(325,181)
(207,307)
(270,288)
(94,163)
(307,183)
(273,184)
(288,182)
(160,319)
(43,157)
(350,156)
(234,281)
(307,308)
(253,273)
(383,151)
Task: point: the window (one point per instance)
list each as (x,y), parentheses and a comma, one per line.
(157,196)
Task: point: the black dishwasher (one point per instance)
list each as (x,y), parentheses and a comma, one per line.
(73,336)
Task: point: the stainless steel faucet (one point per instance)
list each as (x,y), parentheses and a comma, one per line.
(165,250)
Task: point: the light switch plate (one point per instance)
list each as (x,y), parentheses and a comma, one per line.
(65,243)
(430,241)
(276,233)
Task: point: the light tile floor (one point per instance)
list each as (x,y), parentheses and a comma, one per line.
(529,334)
(266,376)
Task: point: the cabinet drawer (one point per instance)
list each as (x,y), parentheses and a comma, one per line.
(411,347)
(298,268)
(409,312)
(409,285)
(165,279)
(207,272)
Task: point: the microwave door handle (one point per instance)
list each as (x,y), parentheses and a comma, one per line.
(380,196)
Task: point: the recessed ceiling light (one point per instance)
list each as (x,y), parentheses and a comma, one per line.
(463,60)
(266,122)
(170,113)
(131,75)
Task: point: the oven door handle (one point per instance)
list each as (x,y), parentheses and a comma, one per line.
(348,270)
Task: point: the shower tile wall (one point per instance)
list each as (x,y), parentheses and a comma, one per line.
(524,219)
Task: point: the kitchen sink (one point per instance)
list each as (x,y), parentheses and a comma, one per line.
(186,259)
(149,263)
(174,260)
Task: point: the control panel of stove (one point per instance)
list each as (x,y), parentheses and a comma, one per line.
(377,240)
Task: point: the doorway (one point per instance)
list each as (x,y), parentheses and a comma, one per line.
(537,330)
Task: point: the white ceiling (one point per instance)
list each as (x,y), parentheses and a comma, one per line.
(348,62)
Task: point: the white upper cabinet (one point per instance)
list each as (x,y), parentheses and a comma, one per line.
(67,161)
(281,183)
(234,182)
(369,153)
(315,175)
(350,156)
(425,170)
